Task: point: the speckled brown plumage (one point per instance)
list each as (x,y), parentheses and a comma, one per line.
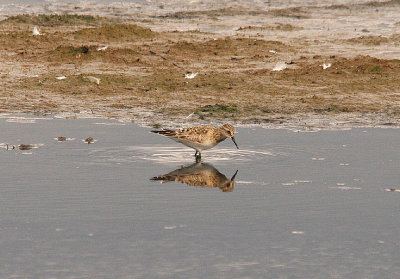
(200,137)
(200,175)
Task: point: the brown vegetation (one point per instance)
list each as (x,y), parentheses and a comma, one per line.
(143,69)
(115,32)
(369,40)
(276,27)
(54,20)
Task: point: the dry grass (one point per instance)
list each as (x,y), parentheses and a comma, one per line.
(369,40)
(112,33)
(296,12)
(215,13)
(227,47)
(25,41)
(382,3)
(83,53)
(57,20)
(275,27)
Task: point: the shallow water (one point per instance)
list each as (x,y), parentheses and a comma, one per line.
(303,205)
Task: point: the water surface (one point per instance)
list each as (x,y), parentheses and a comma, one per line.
(303,205)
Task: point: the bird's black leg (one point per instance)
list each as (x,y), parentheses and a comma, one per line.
(198,156)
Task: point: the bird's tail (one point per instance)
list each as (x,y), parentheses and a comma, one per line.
(165,132)
(162,178)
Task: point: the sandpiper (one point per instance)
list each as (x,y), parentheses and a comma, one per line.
(200,175)
(201,137)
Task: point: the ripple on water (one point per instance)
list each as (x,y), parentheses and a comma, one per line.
(172,154)
(252,182)
(164,154)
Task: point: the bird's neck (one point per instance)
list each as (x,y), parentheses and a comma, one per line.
(220,137)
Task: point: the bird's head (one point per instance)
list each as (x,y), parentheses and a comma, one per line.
(229,131)
(229,184)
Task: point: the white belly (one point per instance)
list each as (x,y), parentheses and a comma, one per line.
(196,146)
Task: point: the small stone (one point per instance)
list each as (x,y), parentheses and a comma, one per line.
(25,146)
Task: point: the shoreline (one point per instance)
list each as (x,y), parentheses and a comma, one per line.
(302,123)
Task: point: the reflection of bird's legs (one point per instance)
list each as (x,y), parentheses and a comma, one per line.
(197,155)
(13,147)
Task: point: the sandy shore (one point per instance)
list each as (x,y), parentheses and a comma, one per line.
(315,66)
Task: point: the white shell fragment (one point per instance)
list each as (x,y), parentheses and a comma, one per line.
(92,79)
(191,75)
(280,66)
(102,48)
(36,31)
(326,66)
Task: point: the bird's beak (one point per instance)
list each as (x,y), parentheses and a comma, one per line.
(233,177)
(233,139)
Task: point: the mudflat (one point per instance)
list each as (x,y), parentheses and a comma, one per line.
(317,65)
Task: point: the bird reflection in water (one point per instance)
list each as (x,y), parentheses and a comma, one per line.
(201,175)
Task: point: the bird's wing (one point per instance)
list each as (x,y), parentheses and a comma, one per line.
(195,179)
(194,134)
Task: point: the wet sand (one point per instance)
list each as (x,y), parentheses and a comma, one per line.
(303,205)
(232,46)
